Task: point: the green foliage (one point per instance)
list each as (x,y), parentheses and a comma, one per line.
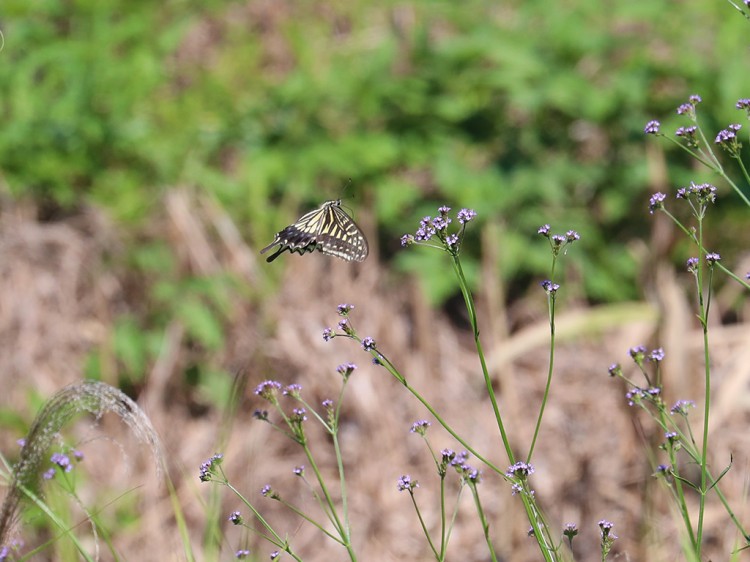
(510,109)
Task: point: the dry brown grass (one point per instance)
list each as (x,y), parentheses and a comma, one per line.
(58,301)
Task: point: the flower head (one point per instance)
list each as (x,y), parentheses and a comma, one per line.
(268,390)
(368,344)
(652,128)
(466,215)
(344,309)
(209,467)
(235,517)
(520,470)
(712,258)
(681,407)
(328,334)
(656,202)
(346,369)
(405,483)
(420,427)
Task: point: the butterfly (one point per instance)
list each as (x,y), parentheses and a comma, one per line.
(327,229)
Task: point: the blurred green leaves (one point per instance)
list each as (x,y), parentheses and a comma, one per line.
(529,112)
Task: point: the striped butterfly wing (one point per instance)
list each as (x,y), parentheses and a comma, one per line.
(327,229)
(340,236)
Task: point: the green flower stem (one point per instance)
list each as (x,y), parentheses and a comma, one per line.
(483,519)
(275,539)
(707,402)
(331,511)
(340,465)
(443,543)
(424,526)
(385,362)
(485,372)
(551,365)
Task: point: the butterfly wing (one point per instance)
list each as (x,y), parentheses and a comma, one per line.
(341,237)
(327,229)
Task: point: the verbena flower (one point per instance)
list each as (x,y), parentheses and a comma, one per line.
(520,470)
(268,492)
(570,530)
(420,427)
(274,555)
(268,390)
(549,287)
(688,134)
(208,467)
(368,344)
(692,265)
(328,334)
(712,258)
(614,370)
(652,127)
(242,554)
(346,369)
(466,215)
(61,460)
(744,103)
(656,202)
(344,309)
(299,415)
(606,529)
(236,518)
(299,470)
(292,390)
(544,230)
(728,140)
(406,484)
(656,355)
(681,407)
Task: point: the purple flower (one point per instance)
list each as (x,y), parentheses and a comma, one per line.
(466,215)
(49,474)
(444,210)
(407,240)
(614,370)
(299,415)
(346,369)
(549,287)
(235,517)
(420,427)
(242,554)
(652,127)
(299,470)
(671,436)
(405,483)
(572,236)
(62,461)
(692,265)
(681,407)
(452,240)
(656,202)
(544,230)
(268,390)
(292,390)
(570,530)
(606,530)
(208,467)
(328,334)
(656,355)
(344,309)
(520,470)
(744,103)
(712,258)
(440,224)
(695,99)
(368,344)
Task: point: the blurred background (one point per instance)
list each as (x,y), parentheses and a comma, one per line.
(148,150)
